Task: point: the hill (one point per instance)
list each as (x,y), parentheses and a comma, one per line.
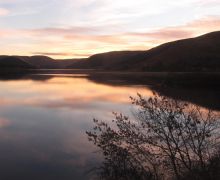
(11,62)
(189,55)
(200,54)
(39,62)
(107,60)
(44,62)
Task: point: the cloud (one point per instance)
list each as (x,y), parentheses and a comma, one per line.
(191,29)
(81,41)
(4,12)
(164,34)
(60,54)
(209,2)
(63,31)
(205,23)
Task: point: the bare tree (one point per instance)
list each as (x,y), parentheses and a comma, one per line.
(167,139)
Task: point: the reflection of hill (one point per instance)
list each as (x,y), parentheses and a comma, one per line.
(201,89)
(202,80)
(206,94)
(22,76)
(208,98)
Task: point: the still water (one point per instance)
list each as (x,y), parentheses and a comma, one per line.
(43,123)
(43,120)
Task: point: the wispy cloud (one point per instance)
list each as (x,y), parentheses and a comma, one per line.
(81,41)
(61,54)
(191,29)
(209,2)
(4,12)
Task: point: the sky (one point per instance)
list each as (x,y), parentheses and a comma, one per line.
(80,28)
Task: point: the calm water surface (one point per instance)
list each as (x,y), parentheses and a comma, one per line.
(43,119)
(43,123)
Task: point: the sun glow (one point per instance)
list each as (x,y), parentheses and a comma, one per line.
(79,29)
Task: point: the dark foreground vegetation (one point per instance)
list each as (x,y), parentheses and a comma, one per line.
(167,139)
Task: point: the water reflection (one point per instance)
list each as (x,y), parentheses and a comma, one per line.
(168,139)
(43,119)
(43,122)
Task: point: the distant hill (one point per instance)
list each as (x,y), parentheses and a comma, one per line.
(44,62)
(200,54)
(195,54)
(65,63)
(107,60)
(39,62)
(11,62)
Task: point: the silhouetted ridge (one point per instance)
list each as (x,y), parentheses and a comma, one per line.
(44,62)
(194,54)
(200,54)
(109,60)
(39,62)
(188,55)
(8,62)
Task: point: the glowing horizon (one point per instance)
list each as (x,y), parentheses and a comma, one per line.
(80,28)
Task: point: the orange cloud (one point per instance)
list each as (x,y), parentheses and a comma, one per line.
(165,34)
(85,41)
(192,29)
(63,54)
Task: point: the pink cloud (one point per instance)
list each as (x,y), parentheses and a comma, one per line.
(82,41)
(164,34)
(4,12)
(4,122)
(191,29)
(63,31)
(197,27)
(60,54)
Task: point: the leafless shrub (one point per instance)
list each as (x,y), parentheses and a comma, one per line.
(167,140)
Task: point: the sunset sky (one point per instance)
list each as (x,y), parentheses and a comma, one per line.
(79,28)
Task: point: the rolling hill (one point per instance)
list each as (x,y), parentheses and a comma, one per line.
(189,55)
(39,62)
(107,60)
(44,62)
(11,62)
(200,54)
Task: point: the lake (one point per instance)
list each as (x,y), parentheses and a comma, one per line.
(44,117)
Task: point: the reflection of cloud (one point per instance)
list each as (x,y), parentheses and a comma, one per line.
(6,101)
(48,148)
(4,122)
(67,92)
